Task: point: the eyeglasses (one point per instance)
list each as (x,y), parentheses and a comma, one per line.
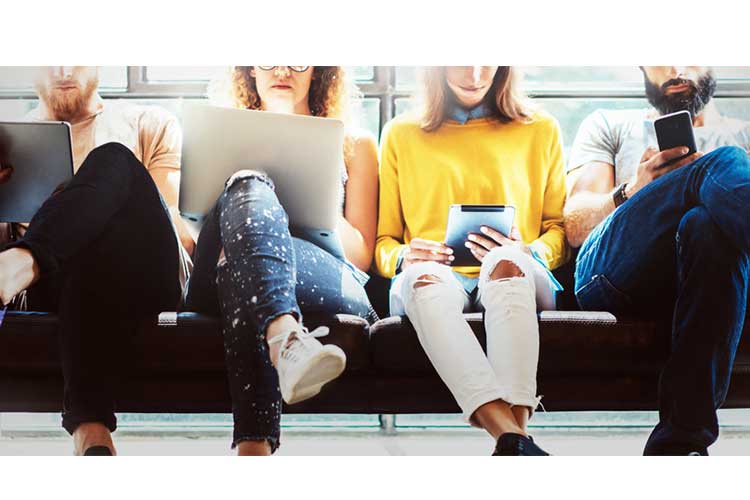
(296,69)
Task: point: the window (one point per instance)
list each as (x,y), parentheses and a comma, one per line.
(569,93)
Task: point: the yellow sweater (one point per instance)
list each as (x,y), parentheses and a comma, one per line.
(480,162)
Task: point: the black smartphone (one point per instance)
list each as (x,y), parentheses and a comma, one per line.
(675,130)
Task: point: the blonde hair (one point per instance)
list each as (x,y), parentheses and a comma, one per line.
(507,102)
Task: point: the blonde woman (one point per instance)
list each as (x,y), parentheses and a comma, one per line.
(265,279)
(475,142)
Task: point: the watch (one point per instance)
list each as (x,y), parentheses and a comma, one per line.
(619,196)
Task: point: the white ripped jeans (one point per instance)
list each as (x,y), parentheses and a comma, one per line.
(508,370)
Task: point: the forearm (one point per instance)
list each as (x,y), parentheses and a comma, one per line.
(583,212)
(387,252)
(552,247)
(356,247)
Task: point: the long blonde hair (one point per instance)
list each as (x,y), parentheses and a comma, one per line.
(508,103)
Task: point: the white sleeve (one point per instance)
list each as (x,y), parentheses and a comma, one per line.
(594,142)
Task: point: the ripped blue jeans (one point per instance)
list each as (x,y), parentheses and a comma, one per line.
(266,273)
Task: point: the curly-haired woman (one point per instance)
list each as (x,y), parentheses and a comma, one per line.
(260,279)
(476,142)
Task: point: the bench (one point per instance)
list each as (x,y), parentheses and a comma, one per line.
(588,361)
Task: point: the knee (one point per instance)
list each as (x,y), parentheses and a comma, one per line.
(730,154)
(251,189)
(505,263)
(424,280)
(115,156)
(253,178)
(505,269)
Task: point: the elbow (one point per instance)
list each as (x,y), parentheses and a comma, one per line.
(573,234)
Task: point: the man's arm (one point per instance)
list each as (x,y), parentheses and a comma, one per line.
(589,200)
(161,143)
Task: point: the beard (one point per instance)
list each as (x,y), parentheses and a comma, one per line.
(693,100)
(66,105)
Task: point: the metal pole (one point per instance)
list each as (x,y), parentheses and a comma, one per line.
(387,423)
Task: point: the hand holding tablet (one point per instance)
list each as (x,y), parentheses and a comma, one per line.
(474,229)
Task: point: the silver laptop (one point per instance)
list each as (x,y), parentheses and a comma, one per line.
(303,155)
(42,159)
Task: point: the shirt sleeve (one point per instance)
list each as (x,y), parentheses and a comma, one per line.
(389,244)
(594,142)
(160,139)
(551,246)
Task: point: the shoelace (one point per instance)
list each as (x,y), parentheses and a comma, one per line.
(293,348)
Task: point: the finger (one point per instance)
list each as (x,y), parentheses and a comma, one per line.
(686,160)
(662,158)
(648,154)
(515,234)
(497,236)
(424,255)
(492,233)
(476,249)
(478,256)
(429,245)
(480,240)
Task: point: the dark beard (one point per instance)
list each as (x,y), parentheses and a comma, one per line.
(692,100)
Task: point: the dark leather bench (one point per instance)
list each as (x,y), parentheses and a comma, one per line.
(588,361)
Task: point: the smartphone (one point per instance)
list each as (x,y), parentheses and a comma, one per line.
(675,130)
(466,219)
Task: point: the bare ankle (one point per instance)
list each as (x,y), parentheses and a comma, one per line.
(253,449)
(91,434)
(279,326)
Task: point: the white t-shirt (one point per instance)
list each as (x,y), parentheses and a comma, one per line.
(619,138)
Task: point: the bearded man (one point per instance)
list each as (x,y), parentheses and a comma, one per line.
(667,236)
(103,252)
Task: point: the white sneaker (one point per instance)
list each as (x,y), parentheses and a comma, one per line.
(305,364)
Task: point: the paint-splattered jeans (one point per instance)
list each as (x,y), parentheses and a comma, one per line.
(266,273)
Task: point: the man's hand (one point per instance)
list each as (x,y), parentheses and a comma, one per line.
(655,163)
(420,250)
(5,173)
(481,244)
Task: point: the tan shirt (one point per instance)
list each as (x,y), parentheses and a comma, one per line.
(152,133)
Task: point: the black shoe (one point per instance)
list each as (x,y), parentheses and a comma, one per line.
(97,451)
(515,445)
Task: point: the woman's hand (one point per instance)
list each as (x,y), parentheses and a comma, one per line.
(420,250)
(481,244)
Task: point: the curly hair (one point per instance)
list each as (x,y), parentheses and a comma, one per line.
(329,91)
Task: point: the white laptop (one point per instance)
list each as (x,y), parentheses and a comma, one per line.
(303,155)
(41,156)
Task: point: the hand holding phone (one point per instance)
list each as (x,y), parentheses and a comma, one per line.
(676,130)
(677,147)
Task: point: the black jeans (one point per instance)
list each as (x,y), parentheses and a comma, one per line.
(267,273)
(680,247)
(108,258)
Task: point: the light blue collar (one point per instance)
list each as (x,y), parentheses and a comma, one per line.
(462,115)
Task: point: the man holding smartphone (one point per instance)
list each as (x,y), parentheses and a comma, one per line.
(667,236)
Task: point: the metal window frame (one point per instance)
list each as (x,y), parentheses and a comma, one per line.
(382,87)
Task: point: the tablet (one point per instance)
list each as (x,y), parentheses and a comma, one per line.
(466,219)
(42,160)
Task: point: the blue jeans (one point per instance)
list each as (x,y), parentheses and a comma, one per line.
(678,250)
(267,273)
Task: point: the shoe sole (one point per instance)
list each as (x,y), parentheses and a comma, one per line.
(326,366)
